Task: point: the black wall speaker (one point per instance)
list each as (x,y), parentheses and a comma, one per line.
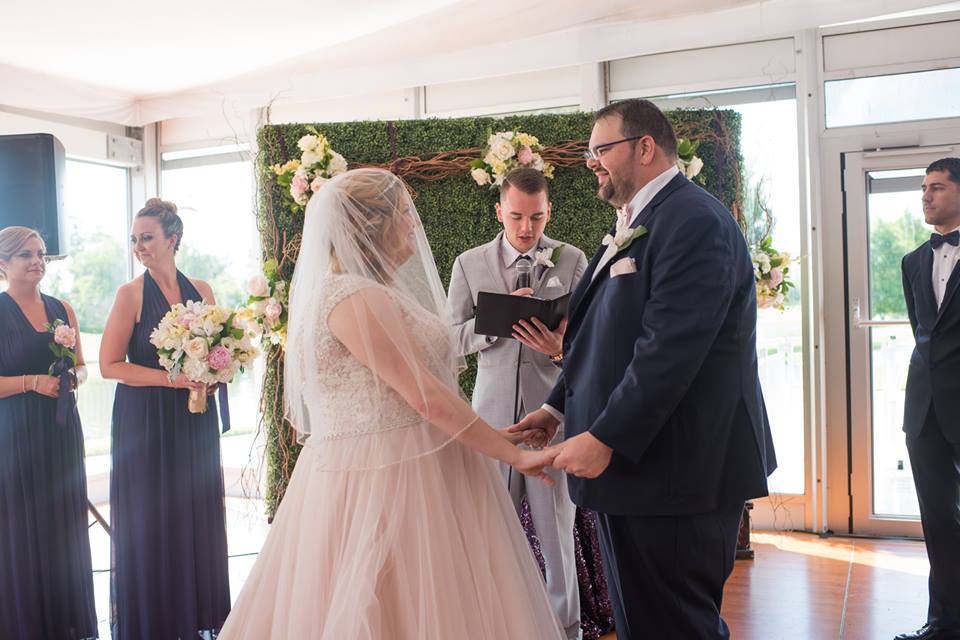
(31,186)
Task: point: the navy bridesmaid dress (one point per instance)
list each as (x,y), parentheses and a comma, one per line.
(46,579)
(169,578)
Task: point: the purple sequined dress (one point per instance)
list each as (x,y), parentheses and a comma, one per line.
(46,580)
(169,576)
(596,612)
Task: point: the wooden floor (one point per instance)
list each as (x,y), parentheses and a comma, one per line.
(802,587)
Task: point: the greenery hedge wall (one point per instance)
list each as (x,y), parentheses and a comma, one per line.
(458,214)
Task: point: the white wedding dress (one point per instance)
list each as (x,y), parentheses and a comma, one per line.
(389,529)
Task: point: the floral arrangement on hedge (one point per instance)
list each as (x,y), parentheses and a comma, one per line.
(505,151)
(266,310)
(771,269)
(303,177)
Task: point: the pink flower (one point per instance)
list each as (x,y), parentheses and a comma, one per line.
(186,318)
(298,187)
(272,311)
(218,358)
(65,336)
(318,182)
(525,155)
(776,277)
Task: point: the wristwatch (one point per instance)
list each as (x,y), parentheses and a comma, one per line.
(557,359)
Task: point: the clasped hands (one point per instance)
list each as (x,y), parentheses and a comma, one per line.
(583,456)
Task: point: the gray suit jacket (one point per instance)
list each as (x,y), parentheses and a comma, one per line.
(481,269)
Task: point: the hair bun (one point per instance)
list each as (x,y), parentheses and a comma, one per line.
(157,203)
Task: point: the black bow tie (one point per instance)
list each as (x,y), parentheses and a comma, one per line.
(952,238)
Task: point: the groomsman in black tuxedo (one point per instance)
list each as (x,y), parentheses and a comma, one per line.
(666,429)
(932,406)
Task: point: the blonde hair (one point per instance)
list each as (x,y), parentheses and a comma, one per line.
(378,201)
(11,239)
(166,214)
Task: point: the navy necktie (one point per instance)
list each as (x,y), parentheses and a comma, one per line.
(952,238)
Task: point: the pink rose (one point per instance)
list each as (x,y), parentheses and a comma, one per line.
(272,311)
(525,155)
(65,336)
(776,277)
(298,187)
(318,182)
(218,358)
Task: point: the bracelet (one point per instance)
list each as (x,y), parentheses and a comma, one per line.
(36,381)
(23,384)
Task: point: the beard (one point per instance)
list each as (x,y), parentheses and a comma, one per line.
(615,191)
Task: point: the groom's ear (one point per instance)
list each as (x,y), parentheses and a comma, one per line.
(499,212)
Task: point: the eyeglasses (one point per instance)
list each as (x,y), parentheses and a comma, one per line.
(597,151)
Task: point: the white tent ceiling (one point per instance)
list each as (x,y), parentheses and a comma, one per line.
(135,63)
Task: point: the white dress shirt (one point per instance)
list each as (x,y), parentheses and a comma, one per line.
(944,260)
(647,193)
(510,254)
(633,208)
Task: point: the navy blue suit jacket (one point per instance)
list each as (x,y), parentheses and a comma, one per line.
(661,366)
(934,373)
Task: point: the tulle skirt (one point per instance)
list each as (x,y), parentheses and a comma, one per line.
(427,548)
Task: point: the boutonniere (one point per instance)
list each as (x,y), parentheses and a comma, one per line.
(624,237)
(548,257)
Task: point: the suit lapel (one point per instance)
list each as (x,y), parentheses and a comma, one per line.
(491,256)
(675,183)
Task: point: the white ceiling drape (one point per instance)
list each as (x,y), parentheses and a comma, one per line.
(133,64)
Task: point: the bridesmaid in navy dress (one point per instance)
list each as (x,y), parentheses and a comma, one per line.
(169,577)
(46,579)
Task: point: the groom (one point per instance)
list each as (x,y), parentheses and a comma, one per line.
(666,430)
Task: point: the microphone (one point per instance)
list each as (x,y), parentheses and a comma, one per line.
(524,267)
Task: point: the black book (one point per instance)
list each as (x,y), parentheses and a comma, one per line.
(496,313)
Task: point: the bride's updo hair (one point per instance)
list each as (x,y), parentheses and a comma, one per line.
(11,239)
(166,214)
(374,200)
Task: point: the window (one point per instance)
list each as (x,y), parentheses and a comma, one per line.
(215,198)
(770,151)
(902,97)
(96,211)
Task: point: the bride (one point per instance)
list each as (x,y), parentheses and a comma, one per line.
(396,523)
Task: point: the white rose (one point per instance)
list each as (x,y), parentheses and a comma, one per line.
(337,164)
(195,369)
(309,158)
(307,143)
(694,167)
(196,349)
(480,176)
(258,286)
(537,162)
(502,149)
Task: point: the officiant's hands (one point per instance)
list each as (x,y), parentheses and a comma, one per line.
(583,456)
(533,463)
(525,291)
(537,428)
(538,337)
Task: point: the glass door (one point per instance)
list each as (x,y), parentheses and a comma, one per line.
(884,221)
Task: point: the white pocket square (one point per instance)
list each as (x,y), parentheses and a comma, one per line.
(554,281)
(622,267)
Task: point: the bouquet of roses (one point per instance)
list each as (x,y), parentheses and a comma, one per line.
(205,343)
(265,313)
(64,347)
(318,163)
(508,150)
(770,270)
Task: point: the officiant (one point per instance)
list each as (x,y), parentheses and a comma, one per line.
(516,375)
